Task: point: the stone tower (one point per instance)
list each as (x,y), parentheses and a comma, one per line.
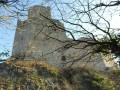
(41,37)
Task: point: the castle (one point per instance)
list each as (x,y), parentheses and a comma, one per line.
(42,38)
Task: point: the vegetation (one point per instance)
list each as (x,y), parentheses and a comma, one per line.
(38,75)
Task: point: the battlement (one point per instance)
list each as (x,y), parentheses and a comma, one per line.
(39,11)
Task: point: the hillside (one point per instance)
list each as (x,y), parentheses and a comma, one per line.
(38,75)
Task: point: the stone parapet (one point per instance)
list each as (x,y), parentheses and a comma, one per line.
(39,11)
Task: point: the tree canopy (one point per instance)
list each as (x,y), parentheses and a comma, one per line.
(92,19)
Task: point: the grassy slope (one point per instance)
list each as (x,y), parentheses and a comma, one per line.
(38,75)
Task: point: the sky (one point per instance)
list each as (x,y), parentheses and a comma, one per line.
(7,31)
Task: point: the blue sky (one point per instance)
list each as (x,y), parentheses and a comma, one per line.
(7,31)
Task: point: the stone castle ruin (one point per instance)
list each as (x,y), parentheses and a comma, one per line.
(42,38)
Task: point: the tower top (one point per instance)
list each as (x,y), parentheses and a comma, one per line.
(39,11)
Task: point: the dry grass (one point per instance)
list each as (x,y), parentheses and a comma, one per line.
(34,65)
(41,73)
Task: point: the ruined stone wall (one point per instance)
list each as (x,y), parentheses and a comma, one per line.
(39,11)
(41,37)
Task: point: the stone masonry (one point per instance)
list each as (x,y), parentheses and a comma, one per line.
(42,38)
